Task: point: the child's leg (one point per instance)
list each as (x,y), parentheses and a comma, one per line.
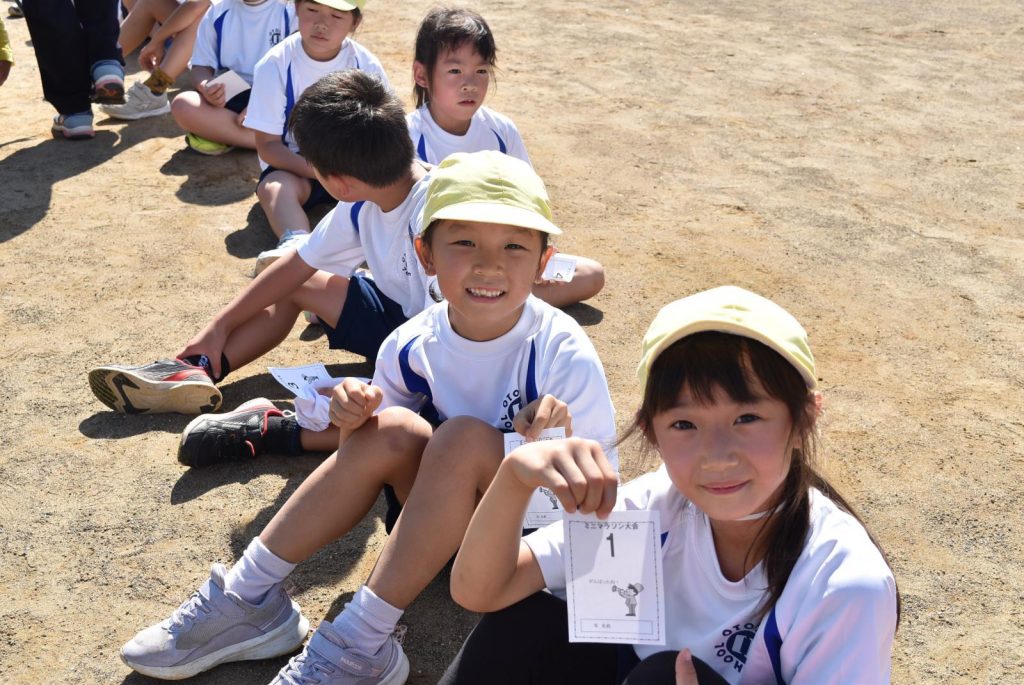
(339,493)
(214,625)
(433,521)
(140,20)
(282,195)
(213,123)
(587,282)
(437,512)
(323,294)
(176,58)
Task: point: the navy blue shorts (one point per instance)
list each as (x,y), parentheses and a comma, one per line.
(317,194)
(239,102)
(367,317)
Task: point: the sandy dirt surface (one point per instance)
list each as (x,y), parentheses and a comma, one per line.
(859,162)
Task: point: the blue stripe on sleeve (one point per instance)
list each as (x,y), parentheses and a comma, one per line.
(773,641)
(531,374)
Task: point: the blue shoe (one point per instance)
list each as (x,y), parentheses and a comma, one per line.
(73,126)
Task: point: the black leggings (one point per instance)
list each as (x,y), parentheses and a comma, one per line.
(528,644)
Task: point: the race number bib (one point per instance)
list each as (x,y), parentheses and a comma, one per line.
(614,580)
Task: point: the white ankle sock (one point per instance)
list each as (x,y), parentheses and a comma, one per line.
(366,621)
(256,572)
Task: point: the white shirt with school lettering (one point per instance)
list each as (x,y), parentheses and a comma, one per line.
(833,624)
(488,130)
(286,71)
(355,232)
(425,366)
(246,32)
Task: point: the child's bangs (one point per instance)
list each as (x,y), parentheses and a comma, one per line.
(468,31)
(705,361)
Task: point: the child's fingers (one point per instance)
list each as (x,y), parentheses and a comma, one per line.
(601,483)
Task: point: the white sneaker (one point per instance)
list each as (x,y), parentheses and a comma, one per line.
(291,240)
(139,103)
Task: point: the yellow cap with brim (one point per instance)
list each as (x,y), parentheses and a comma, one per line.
(490,187)
(729,309)
(343,5)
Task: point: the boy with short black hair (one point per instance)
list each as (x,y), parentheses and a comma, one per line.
(490,359)
(372,171)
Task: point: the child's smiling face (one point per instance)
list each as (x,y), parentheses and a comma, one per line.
(729,458)
(457,86)
(485,271)
(323,29)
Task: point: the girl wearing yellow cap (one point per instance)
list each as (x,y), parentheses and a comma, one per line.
(769,575)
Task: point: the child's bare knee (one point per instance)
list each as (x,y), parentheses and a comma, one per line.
(402,431)
(464,441)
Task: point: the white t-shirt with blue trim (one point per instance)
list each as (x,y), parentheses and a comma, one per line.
(833,624)
(286,71)
(234,35)
(488,130)
(425,366)
(352,233)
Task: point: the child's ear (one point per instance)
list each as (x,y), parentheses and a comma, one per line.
(426,257)
(544,262)
(819,402)
(337,185)
(419,74)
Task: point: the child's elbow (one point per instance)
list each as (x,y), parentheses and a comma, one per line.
(468,597)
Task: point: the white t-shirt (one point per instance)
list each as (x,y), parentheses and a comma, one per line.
(425,366)
(233,35)
(355,232)
(488,130)
(286,71)
(834,622)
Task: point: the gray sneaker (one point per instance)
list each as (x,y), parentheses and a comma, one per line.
(327,661)
(213,627)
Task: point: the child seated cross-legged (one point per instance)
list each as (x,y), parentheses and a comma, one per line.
(354,129)
(454,62)
(491,358)
(233,36)
(769,575)
(288,185)
(162,21)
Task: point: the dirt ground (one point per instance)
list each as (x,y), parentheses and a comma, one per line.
(859,162)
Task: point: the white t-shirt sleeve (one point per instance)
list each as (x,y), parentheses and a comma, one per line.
(205,48)
(845,630)
(514,142)
(388,375)
(572,373)
(268,99)
(334,245)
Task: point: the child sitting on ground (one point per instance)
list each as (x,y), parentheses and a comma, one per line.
(354,130)
(448,384)
(233,36)
(452,68)
(769,575)
(288,185)
(175,21)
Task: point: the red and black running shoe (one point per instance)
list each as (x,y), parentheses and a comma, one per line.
(167,385)
(234,435)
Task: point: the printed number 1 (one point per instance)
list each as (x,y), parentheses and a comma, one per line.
(611,542)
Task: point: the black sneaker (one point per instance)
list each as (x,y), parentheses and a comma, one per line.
(168,385)
(234,435)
